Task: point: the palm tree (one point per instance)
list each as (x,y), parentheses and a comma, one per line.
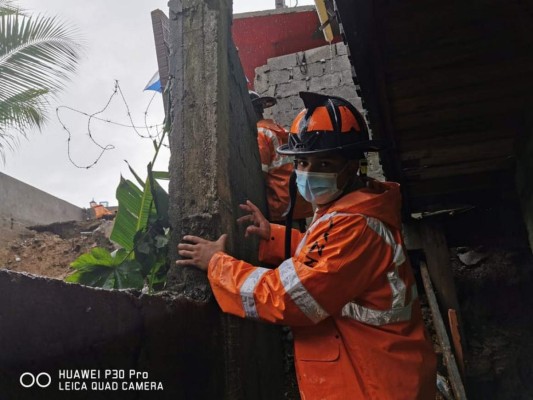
(37,56)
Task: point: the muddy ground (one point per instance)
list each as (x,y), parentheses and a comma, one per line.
(495,289)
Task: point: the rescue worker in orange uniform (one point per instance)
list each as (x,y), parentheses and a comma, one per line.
(276,167)
(347,291)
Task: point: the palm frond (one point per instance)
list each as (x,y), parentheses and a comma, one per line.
(24,109)
(8,7)
(35,53)
(19,113)
(37,57)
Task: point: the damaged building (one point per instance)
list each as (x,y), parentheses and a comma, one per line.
(447,85)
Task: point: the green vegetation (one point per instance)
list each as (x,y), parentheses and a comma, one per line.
(37,56)
(141,229)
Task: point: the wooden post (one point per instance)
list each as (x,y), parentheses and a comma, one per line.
(438,263)
(449,359)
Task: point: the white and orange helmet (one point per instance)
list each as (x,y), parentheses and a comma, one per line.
(328,124)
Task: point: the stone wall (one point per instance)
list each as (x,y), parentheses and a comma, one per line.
(324,70)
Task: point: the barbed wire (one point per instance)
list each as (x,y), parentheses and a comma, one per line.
(94,116)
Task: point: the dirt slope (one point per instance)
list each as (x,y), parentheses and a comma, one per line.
(49,250)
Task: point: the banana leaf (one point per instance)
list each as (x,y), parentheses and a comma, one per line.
(99,268)
(134,209)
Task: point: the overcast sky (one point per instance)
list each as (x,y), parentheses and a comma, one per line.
(118,44)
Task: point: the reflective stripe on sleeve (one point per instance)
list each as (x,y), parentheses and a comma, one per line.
(398,288)
(399,311)
(247,292)
(299,294)
(377,317)
(279,160)
(385,233)
(397,285)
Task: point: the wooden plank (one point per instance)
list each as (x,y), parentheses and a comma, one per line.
(476,150)
(457,97)
(404,44)
(446,78)
(438,323)
(438,261)
(480,182)
(360,31)
(456,134)
(456,340)
(409,31)
(464,168)
(451,115)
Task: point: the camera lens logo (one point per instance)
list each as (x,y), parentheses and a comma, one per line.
(28,380)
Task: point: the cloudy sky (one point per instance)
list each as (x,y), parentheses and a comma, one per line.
(118,45)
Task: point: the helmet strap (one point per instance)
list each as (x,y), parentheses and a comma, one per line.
(290,212)
(363,168)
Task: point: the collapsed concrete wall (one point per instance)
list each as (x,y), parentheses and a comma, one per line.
(23,205)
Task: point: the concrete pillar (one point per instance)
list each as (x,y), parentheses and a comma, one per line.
(214,162)
(214,167)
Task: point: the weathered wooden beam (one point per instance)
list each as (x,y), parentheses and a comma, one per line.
(524,173)
(361,32)
(162,45)
(406,84)
(428,171)
(438,263)
(456,340)
(453,152)
(438,323)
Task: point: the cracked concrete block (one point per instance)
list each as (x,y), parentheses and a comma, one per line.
(290,88)
(261,83)
(282,62)
(319,53)
(347,77)
(318,84)
(339,64)
(341,49)
(316,69)
(282,75)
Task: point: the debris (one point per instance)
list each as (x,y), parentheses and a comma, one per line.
(471,257)
(444,388)
(49,250)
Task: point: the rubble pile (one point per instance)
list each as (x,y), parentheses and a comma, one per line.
(48,250)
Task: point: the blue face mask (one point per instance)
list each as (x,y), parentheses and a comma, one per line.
(318,187)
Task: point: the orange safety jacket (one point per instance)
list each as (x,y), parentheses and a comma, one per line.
(277,170)
(349,295)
